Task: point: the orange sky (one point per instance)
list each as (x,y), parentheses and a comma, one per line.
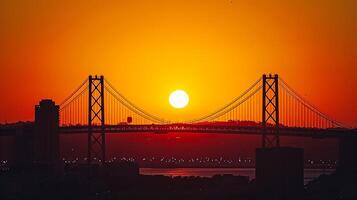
(212,49)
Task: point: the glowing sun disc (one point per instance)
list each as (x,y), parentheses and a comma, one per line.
(178,99)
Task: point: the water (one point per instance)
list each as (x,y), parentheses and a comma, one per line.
(309,174)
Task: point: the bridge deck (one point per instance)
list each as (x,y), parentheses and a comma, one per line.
(9,130)
(219,129)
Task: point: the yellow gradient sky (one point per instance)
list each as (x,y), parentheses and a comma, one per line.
(146,49)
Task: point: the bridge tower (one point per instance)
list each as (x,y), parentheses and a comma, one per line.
(96,141)
(279,171)
(270,112)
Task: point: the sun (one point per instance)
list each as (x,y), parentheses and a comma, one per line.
(179,99)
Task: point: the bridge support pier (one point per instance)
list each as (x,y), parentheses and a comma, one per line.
(279,173)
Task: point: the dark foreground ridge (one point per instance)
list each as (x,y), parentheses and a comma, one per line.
(122,181)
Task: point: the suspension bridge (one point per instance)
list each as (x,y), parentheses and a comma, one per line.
(269,107)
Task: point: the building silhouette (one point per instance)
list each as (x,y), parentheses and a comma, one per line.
(46,136)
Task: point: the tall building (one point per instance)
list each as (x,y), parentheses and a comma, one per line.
(46,136)
(279,173)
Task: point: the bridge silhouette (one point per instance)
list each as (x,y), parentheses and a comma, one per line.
(269,107)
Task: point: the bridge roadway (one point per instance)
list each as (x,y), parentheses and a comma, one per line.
(219,129)
(13,130)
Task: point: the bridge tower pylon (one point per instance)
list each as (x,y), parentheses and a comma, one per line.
(96,141)
(270,114)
